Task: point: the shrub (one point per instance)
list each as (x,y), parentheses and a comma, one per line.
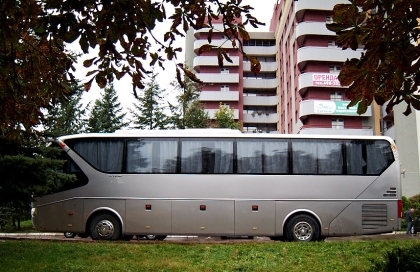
(399,259)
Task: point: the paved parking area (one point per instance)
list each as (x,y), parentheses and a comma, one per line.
(205,239)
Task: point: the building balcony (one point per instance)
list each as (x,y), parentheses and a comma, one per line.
(260,100)
(213,61)
(302,5)
(218,78)
(265,66)
(260,50)
(219,96)
(327,54)
(312,28)
(307,80)
(328,107)
(260,118)
(259,83)
(212,112)
(367,131)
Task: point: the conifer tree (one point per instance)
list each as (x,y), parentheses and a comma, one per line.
(28,170)
(106,114)
(68,116)
(187,112)
(148,111)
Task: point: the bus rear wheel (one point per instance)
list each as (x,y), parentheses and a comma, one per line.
(302,228)
(105,227)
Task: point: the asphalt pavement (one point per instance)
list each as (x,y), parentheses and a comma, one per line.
(400,235)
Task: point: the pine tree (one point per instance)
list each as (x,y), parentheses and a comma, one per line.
(188,92)
(106,114)
(68,116)
(224,118)
(28,170)
(148,112)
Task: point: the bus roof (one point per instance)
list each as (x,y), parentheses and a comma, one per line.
(213,132)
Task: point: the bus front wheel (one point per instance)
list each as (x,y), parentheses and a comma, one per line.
(303,228)
(105,227)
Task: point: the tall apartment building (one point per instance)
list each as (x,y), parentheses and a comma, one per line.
(311,98)
(253,98)
(297,90)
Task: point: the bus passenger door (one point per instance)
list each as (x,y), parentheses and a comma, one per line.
(203,217)
(255,217)
(73,215)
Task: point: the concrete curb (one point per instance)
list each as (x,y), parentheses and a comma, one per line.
(30,234)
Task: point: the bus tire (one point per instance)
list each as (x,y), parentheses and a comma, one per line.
(70,234)
(151,237)
(105,227)
(302,228)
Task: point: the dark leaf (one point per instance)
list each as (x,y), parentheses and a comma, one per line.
(205,47)
(179,79)
(88,63)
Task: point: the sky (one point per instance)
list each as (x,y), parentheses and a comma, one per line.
(262,11)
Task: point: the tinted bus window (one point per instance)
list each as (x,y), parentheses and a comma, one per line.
(310,157)
(69,167)
(152,156)
(206,156)
(106,156)
(262,156)
(379,157)
(356,161)
(368,157)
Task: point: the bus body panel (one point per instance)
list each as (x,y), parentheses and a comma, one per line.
(148,216)
(376,217)
(49,217)
(73,216)
(255,217)
(203,217)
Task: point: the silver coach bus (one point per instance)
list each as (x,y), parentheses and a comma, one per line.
(224,183)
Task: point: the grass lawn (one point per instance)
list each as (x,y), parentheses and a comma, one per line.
(26,255)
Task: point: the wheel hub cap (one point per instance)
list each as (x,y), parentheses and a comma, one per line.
(105,229)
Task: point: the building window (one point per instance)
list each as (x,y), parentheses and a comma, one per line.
(336,96)
(335,69)
(224,71)
(329,20)
(224,88)
(332,44)
(337,123)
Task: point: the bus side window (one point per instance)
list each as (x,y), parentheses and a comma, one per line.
(152,156)
(206,156)
(379,156)
(356,161)
(317,157)
(106,156)
(263,156)
(71,168)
